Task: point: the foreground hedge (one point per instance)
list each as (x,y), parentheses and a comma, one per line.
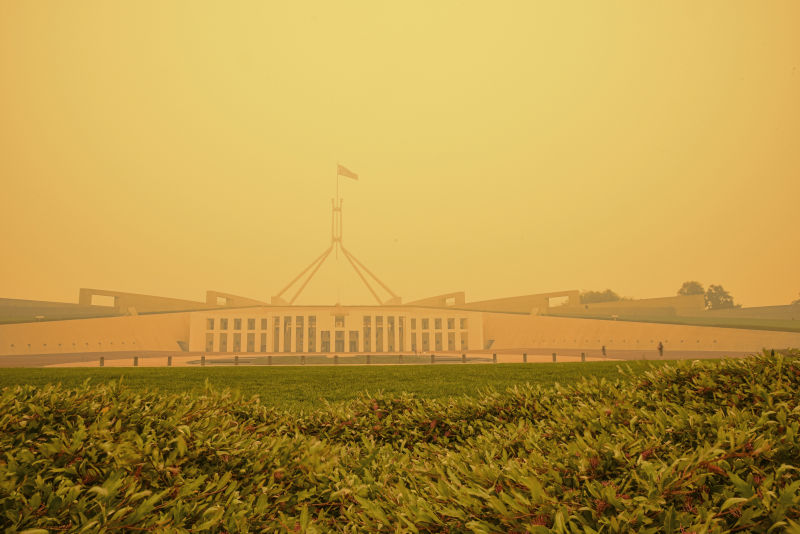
(685,448)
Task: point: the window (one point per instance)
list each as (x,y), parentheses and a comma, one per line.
(367,320)
(338,321)
(237,324)
(223,323)
(437,324)
(451,323)
(438,340)
(426,325)
(209,342)
(276,334)
(339,341)
(263,324)
(263,347)
(463,322)
(223,342)
(413,342)
(210,324)
(251,341)
(390,333)
(367,335)
(379,320)
(353,340)
(451,341)
(299,330)
(312,333)
(251,324)
(426,342)
(325,340)
(464,341)
(287,334)
(402,333)
(237,342)
(378,336)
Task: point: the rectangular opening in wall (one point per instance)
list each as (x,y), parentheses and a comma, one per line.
(312,333)
(103,300)
(552,302)
(339,341)
(390,334)
(299,333)
(209,342)
(325,340)
(263,347)
(223,342)
(237,342)
(251,342)
(251,324)
(210,324)
(353,341)
(287,334)
(451,341)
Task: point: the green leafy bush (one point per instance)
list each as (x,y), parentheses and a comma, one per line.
(682,448)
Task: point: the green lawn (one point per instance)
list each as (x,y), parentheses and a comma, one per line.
(300,388)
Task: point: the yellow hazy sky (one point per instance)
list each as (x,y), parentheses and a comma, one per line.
(503,147)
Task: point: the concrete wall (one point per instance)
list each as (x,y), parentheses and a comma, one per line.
(124,302)
(535,304)
(19,310)
(520,331)
(655,307)
(146,333)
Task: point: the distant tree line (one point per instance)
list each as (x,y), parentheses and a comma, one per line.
(716,297)
(590,297)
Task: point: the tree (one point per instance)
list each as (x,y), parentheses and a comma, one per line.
(589,297)
(796,301)
(717,298)
(691,287)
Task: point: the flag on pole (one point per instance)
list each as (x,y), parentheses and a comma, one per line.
(341,170)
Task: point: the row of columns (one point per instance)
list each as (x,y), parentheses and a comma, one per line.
(400,338)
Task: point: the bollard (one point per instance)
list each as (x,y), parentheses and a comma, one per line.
(269,359)
(203,360)
(524,357)
(433,358)
(494,358)
(303,359)
(169,361)
(136,361)
(102,361)
(369,359)
(236,360)
(583,356)
(554,357)
(335,359)
(463,358)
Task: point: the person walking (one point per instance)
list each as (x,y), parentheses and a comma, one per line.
(660,349)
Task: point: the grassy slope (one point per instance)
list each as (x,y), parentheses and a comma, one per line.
(299,388)
(780,325)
